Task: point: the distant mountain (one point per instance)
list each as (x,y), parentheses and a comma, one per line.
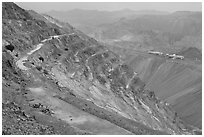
(176,30)
(183,24)
(88,20)
(140,29)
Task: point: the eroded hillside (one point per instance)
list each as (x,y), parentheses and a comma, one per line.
(56,80)
(178,82)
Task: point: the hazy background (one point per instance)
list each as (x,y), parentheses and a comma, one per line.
(110,6)
(163,26)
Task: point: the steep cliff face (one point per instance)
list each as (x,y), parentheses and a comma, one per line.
(80,81)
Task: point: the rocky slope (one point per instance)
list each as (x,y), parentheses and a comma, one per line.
(178,82)
(63,77)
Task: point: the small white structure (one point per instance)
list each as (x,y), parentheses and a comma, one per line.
(155,52)
(174,56)
(179,57)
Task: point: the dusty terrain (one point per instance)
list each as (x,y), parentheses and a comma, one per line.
(57,80)
(178,82)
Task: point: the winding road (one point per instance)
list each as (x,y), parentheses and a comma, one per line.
(21,61)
